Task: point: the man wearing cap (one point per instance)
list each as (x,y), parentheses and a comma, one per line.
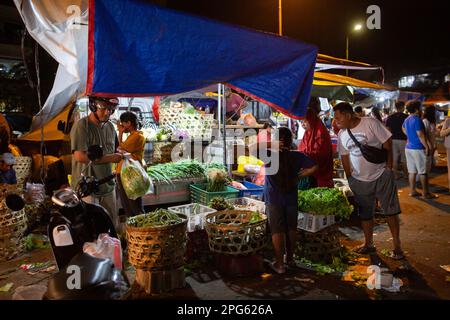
(95,129)
(7,173)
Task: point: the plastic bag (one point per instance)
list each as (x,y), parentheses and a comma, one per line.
(33,292)
(245,160)
(247,120)
(238,185)
(105,247)
(35,193)
(135,180)
(252,168)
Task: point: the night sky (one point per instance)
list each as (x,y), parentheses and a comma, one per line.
(414,36)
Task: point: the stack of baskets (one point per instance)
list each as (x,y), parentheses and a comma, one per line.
(230,232)
(320,246)
(12,226)
(198,125)
(157,248)
(162,151)
(23,167)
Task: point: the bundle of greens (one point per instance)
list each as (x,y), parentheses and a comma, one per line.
(256,217)
(214,165)
(135,181)
(172,170)
(163,134)
(158,218)
(324,201)
(220,204)
(217,180)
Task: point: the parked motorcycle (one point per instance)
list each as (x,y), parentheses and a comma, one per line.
(74,223)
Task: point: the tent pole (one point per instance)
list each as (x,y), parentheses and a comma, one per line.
(219,109)
(224,109)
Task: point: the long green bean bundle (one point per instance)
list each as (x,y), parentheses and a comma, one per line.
(158,218)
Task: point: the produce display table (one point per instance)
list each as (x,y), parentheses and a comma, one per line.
(166,193)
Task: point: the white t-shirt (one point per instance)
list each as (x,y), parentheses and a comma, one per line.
(370,132)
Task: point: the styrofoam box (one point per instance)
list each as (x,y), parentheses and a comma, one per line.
(256,204)
(313,223)
(196,214)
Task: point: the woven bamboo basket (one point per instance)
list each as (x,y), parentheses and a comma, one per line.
(157,248)
(230,232)
(320,246)
(162,151)
(12,229)
(23,167)
(199,126)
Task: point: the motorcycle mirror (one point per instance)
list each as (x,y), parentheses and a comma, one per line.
(14,202)
(95,152)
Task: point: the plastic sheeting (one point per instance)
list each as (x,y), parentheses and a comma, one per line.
(136,48)
(60,27)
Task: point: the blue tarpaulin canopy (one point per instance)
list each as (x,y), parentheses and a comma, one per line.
(140,49)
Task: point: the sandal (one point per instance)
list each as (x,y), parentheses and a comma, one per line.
(414,194)
(396,255)
(278,270)
(430,196)
(365,250)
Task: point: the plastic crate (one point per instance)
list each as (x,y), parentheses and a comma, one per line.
(253,191)
(196,214)
(200,195)
(253,205)
(313,223)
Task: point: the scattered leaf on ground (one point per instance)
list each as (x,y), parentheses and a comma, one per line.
(446,267)
(6,287)
(304,280)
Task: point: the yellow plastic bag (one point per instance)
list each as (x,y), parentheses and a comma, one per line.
(245,160)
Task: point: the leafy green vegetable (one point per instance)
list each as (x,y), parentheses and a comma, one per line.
(324,201)
(217,180)
(323,269)
(256,217)
(158,218)
(220,204)
(36,242)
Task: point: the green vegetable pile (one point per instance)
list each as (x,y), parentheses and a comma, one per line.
(324,201)
(188,168)
(217,180)
(219,204)
(182,169)
(256,217)
(163,134)
(158,218)
(214,165)
(134,180)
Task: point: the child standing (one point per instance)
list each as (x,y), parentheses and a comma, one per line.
(134,145)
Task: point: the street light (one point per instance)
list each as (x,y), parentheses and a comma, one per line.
(280,18)
(357,28)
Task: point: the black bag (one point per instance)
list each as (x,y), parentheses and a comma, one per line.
(371,154)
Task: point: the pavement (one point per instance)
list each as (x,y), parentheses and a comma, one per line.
(425,235)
